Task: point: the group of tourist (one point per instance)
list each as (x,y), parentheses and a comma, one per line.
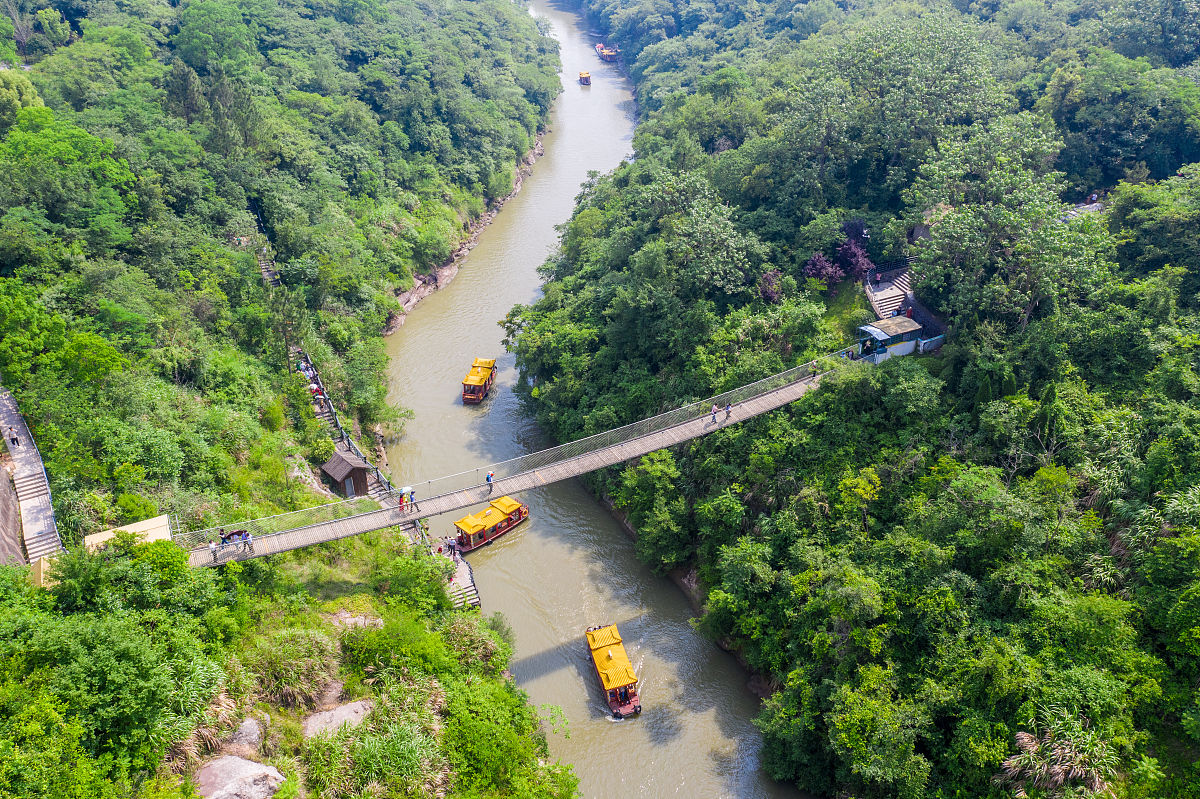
(310,373)
(234,538)
(408,500)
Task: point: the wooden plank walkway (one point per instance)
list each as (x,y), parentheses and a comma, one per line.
(38,529)
(535,478)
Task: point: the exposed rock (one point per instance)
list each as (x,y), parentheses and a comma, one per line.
(761,686)
(351,714)
(232,777)
(247,738)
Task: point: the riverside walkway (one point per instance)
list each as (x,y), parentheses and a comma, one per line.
(306,527)
(38,529)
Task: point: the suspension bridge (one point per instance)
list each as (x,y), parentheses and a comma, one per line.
(303,528)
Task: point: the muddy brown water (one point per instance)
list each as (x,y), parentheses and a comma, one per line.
(570,565)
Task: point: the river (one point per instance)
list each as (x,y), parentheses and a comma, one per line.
(570,565)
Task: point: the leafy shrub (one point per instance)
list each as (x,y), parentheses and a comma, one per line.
(491,739)
(417,579)
(474,642)
(403,639)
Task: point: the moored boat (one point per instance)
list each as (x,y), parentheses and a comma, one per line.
(478,382)
(607,53)
(500,516)
(614,670)
(585,79)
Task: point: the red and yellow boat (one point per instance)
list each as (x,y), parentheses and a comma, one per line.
(500,516)
(614,670)
(478,382)
(607,53)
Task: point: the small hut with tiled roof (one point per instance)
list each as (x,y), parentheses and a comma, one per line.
(349,472)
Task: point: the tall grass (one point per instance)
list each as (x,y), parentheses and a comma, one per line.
(293,666)
(394,752)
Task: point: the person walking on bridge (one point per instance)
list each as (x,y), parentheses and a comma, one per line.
(728,410)
(714,413)
(490,477)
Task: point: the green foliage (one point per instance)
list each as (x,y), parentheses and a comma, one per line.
(491,737)
(415,578)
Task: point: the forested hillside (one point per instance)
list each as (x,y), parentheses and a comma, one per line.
(143,139)
(141,146)
(969,574)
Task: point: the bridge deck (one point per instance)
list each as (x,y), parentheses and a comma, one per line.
(464,498)
(38,529)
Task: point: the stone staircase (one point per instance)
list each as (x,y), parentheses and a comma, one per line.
(889,295)
(267,267)
(34,490)
(462,596)
(38,529)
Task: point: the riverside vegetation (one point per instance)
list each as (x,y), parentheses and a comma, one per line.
(151,363)
(971,574)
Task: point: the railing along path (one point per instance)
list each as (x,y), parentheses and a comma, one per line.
(38,527)
(303,528)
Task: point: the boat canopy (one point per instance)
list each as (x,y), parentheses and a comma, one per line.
(612,664)
(480,370)
(490,516)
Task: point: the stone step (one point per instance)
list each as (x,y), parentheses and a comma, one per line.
(45,546)
(888,304)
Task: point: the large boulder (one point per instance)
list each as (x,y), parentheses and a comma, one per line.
(351,714)
(230,777)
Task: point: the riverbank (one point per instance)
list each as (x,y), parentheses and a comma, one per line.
(424,285)
(687,579)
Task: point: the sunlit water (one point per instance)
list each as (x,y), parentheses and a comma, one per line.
(570,565)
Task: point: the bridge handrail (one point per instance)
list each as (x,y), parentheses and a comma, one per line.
(270,525)
(618,435)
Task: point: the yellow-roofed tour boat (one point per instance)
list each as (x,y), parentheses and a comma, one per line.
(489,524)
(585,78)
(478,382)
(614,670)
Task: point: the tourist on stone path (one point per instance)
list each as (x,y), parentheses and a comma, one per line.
(12,436)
